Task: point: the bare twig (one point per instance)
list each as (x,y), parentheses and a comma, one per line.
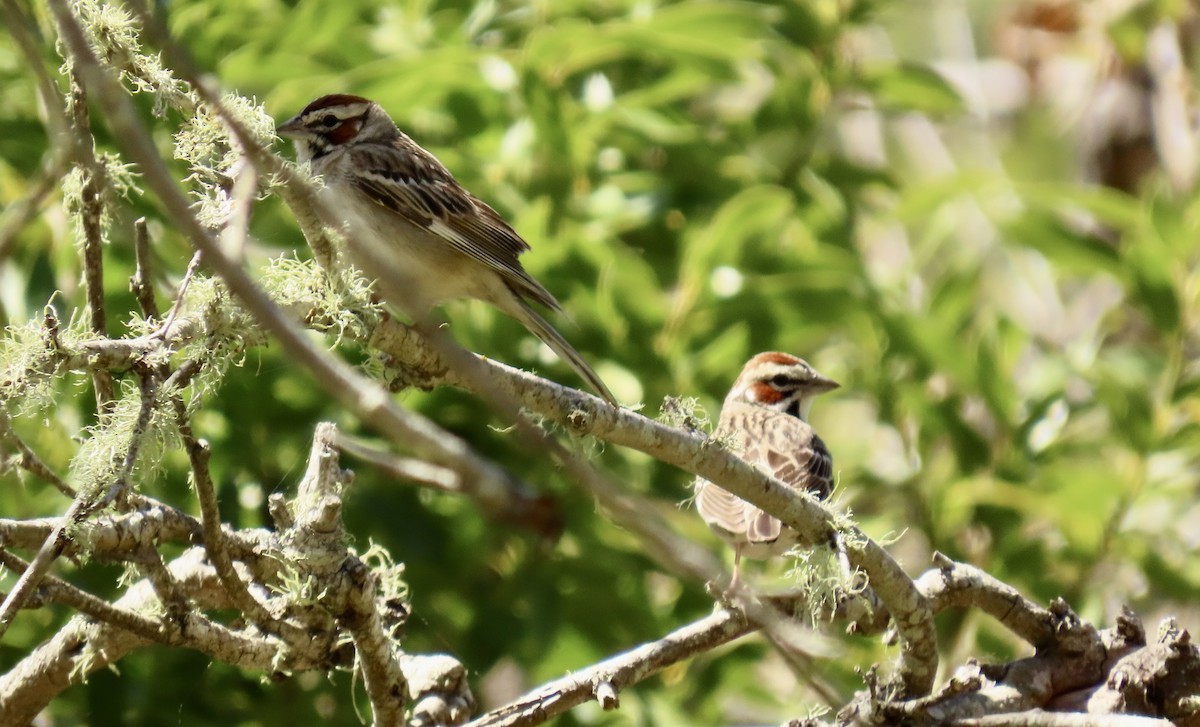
(150,564)
(46,555)
(350,586)
(108,537)
(193,265)
(91,213)
(377,656)
(408,468)
(142,282)
(241,203)
(515,506)
(29,461)
(210,516)
(60,591)
(618,672)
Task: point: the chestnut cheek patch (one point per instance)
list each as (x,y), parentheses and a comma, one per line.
(345,131)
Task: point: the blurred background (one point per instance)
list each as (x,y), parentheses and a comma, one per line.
(979,216)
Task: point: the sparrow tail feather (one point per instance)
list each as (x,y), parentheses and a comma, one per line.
(552,338)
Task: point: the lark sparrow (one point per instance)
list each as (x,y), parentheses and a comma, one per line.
(764,420)
(413,227)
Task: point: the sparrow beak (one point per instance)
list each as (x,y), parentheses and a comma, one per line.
(820,384)
(291,128)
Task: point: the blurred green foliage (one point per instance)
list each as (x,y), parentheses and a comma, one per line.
(1018,388)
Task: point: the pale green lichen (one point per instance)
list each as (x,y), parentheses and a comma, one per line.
(388,573)
(684,412)
(225,329)
(114,37)
(819,574)
(298,590)
(103,459)
(30,355)
(206,144)
(338,302)
(116,180)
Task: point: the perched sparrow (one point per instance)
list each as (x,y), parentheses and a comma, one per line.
(413,227)
(764,421)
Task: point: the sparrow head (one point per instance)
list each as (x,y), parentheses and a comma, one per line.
(781,382)
(334,121)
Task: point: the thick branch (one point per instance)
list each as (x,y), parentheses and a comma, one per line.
(961,585)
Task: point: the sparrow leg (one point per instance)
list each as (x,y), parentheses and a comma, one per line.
(736,582)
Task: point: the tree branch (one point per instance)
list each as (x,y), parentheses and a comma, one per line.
(612,675)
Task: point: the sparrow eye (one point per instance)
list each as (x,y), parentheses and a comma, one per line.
(330,120)
(780,380)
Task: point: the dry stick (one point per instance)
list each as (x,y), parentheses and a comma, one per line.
(90,214)
(150,563)
(384,680)
(29,461)
(368,401)
(111,538)
(192,632)
(318,529)
(215,540)
(193,265)
(407,468)
(141,284)
(60,591)
(198,453)
(803,667)
(241,200)
(46,555)
(515,506)
(618,672)
(84,504)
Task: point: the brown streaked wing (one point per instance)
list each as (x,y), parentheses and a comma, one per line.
(415,186)
(791,451)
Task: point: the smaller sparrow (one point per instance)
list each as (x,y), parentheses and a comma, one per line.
(419,233)
(764,420)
